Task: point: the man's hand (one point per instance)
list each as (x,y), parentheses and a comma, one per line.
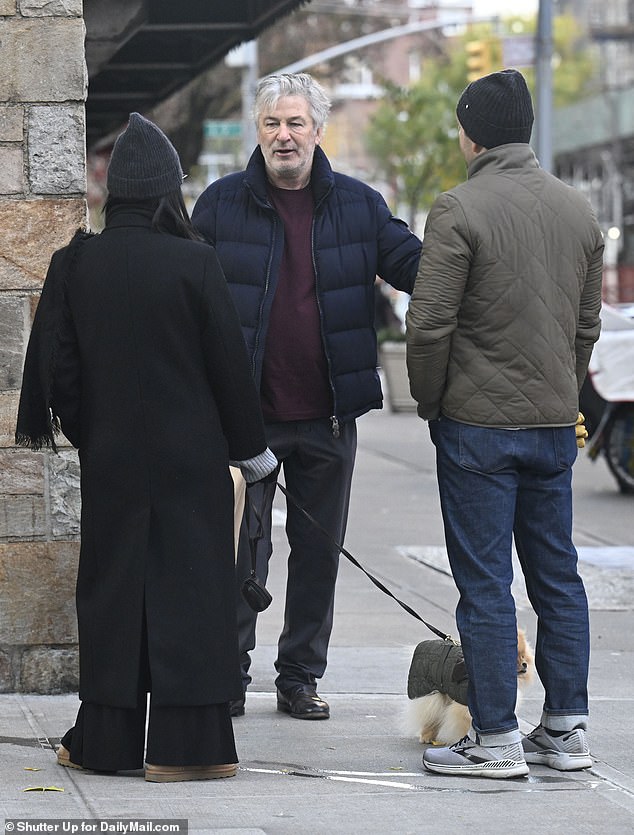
(580,431)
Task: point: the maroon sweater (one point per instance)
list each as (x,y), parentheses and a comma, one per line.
(295,384)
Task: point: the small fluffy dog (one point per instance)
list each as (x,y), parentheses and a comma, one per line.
(438,718)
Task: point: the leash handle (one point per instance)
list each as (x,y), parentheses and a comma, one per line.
(354,561)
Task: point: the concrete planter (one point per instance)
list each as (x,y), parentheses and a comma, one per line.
(392,359)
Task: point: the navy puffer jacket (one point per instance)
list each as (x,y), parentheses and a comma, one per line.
(355,237)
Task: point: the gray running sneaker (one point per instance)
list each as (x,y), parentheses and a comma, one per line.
(467,758)
(565,752)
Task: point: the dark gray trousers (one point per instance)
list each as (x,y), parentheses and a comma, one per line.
(318,473)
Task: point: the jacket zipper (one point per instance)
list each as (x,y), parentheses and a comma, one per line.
(267,281)
(334,420)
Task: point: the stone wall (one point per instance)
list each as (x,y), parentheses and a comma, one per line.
(42,202)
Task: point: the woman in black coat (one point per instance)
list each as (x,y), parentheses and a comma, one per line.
(136,351)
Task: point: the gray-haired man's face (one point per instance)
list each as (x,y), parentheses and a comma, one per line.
(287,137)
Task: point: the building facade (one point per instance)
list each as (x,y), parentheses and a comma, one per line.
(42,187)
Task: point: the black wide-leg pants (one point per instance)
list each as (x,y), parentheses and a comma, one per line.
(113,739)
(106,738)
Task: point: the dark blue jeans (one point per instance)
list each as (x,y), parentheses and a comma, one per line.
(318,473)
(497,485)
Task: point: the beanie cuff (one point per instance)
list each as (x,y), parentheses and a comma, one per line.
(143,188)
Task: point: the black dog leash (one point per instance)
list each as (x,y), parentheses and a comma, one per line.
(354,561)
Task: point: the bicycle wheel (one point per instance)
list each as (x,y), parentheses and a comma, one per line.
(619,447)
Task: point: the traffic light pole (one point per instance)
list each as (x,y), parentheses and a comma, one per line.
(378,37)
(544,84)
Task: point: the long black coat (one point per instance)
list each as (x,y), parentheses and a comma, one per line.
(152,384)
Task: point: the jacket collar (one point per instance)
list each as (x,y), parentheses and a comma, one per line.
(129,215)
(322,177)
(503,158)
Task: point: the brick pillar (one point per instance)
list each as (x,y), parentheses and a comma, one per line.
(42,202)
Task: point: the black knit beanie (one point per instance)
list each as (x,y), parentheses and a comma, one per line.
(497,109)
(144,163)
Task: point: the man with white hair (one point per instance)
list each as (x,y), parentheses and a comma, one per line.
(301,246)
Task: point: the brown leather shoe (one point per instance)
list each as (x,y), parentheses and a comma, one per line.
(180,773)
(302,702)
(63,758)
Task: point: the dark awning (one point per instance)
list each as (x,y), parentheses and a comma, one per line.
(139,52)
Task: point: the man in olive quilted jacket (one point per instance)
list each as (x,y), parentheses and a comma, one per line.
(500,329)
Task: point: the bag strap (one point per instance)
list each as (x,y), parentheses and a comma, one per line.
(354,561)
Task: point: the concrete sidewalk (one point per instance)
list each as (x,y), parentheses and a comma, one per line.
(357,772)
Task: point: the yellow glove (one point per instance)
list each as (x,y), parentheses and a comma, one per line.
(580,431)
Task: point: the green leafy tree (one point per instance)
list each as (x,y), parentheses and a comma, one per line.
(413,134)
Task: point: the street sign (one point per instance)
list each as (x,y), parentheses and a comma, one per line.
(518,51)
(220,128)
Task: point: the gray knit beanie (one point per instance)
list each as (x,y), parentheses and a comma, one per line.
(144,163)
(497,109)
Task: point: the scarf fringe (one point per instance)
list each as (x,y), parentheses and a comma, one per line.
(37,443)
(44,439)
